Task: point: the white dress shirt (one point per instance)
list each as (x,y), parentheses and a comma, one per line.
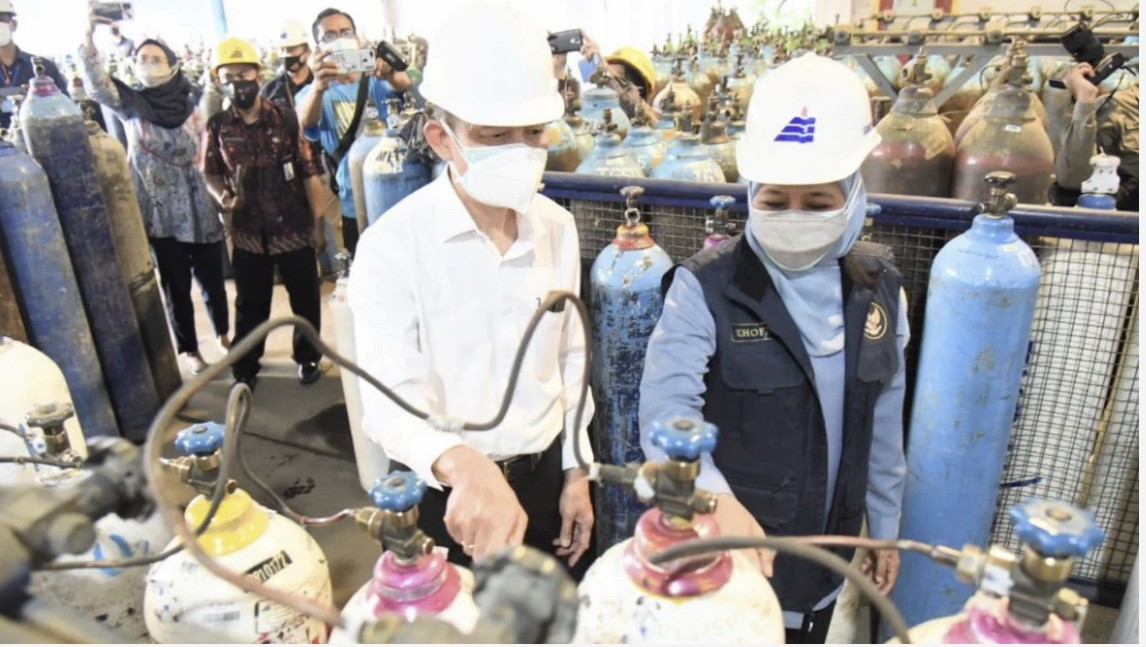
(439,314)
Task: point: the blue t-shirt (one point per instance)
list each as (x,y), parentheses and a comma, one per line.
(338,105)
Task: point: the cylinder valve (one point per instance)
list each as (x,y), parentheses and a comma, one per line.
(999,201)
(1056,530)
(684,438)
(395,521)
(202,445)
(50,419)
(200,440)
(718,222)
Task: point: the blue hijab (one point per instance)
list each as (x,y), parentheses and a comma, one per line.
(814,297)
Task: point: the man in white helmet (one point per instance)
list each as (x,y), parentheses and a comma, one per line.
(445,284)
(790,338)
(294,54)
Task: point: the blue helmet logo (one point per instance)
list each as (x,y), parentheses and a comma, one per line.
(801,129)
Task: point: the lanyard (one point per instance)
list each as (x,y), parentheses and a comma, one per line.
(10,74)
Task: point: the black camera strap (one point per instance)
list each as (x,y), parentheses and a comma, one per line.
(351,133)
(347,139)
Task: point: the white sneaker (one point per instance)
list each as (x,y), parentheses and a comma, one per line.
(195,363)
(224,344)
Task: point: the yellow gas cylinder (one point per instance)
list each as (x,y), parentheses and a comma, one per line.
(186,603)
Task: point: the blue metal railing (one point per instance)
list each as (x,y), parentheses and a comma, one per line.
(932,213)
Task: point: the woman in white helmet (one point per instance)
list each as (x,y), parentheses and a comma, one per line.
(790,339)
(445,284)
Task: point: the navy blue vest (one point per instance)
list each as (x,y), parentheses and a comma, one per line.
(761,395)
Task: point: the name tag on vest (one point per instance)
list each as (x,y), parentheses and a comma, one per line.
(750,332)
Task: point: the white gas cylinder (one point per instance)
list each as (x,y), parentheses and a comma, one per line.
(29,379)
(110,596)
(616,609)
(461,612)
(985,621)
(371,459)
(186,603)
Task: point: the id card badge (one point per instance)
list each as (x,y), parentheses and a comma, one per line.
(288,171)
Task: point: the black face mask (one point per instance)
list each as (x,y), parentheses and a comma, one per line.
(242,93)
(292,64)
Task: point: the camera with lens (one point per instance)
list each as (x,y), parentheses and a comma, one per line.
(1084,47)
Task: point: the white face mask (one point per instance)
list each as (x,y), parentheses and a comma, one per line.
(5,34)
(153,75)
(506,176)
(794,239)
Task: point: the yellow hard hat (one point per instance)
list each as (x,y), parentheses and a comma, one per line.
(639,62)
(235,50)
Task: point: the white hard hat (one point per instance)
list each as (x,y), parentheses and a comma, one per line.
(490,65)
(809,122)
(6,7)
(292,34)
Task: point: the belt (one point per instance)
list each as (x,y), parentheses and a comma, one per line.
(516,467)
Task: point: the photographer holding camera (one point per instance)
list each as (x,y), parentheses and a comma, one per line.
(633,77)
(331,108)
(1099,122)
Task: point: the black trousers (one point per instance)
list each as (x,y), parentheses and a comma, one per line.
(255,283)
(815,629)
(350,234)
(538,492)
(177,262)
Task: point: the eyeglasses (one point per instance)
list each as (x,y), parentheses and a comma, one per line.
(331,36)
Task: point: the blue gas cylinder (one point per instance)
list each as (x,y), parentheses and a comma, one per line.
(980,306)
(626,295)
(689,160)
(1097,201)
(45,286)
(609,156)
(359,151)
(58,139)
(646,145)
(596,100)
(389,174)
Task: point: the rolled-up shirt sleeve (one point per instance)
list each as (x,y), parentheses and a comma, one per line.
(1072,164)
(887,465)
(381,297)
(675,365)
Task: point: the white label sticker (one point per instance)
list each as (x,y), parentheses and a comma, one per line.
(1011,128)
(288,171)
(271,617)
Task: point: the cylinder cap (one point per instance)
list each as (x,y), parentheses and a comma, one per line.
(1056,529)
(684,437)
(398,491)
(201,440)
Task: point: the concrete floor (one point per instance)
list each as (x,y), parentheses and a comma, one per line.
(298,440)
